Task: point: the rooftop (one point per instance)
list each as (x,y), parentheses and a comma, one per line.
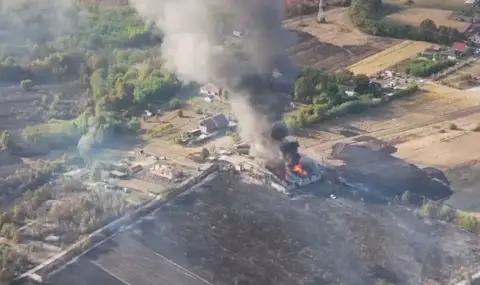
(233,230)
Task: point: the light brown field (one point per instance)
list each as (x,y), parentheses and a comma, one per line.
(420,129)
(389,57)
(415,16)
(426,113)
(457,79)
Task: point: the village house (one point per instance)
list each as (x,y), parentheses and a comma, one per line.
(211,90)
(167,171)
(473,33)
(461,48)
(213,124)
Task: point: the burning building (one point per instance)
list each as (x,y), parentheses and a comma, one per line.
(293,170)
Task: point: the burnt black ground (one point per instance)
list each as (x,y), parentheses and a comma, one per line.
(233,231)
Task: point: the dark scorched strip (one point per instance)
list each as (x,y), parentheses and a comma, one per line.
(235,232)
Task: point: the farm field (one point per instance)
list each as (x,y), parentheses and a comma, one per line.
(44,102)
(233,228)
(462,78)
(333,45)
(430,110)
(435,128)
(415,16)
(389,57)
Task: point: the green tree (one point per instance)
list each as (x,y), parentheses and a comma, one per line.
(304,89)
(6,141)
(96,172)
(428,25)
(406,197)
(361,83)
(175,104)
(344,76)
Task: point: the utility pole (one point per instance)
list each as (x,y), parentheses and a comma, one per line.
(301,12)
(320,15)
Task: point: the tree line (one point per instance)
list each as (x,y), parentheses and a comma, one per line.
(365,15)
(325,95)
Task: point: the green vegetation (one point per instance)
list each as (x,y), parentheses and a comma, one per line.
(326,95)
(113,54)
(424,67)
(9,264)
(365,14)
(6,141)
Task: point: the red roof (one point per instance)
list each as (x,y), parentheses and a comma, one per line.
(210,89)
(459,46)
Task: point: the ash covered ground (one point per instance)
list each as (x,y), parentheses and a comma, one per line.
(233,230)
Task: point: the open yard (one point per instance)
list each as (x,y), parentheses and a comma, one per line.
(389,57)
(333,45)
(464,78)
(414,16)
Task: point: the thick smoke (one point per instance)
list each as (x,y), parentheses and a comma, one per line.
(198,46)
(33,21)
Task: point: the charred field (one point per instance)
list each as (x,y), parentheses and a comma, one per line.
(19,108)
(233,230)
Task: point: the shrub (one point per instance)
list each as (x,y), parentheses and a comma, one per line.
(428,209)
(406,197)
(476,128)
(26,85)
(175,103)
(427,67)
(453,127)
(468,222)
(235,138)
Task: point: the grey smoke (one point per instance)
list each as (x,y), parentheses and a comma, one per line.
(32,21)
(197,46)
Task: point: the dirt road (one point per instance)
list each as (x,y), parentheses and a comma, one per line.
(324,146)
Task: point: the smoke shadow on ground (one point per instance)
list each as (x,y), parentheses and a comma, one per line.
(388,176)
(236,229)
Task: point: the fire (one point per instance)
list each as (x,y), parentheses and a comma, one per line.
(297,168)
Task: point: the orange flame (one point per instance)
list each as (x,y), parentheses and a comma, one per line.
(299,169)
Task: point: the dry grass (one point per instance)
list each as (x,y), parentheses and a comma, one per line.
(337,31)
(442,91)
(415,16)
(389,57)
(459,80)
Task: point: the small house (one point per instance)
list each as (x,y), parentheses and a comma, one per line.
(135,169)
(212,124)
(167,171)
(221,122)
(207,126)
(461,48)
(77,174)
(118,174)
(211,90)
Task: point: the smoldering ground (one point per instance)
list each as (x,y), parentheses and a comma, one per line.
(197,47)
